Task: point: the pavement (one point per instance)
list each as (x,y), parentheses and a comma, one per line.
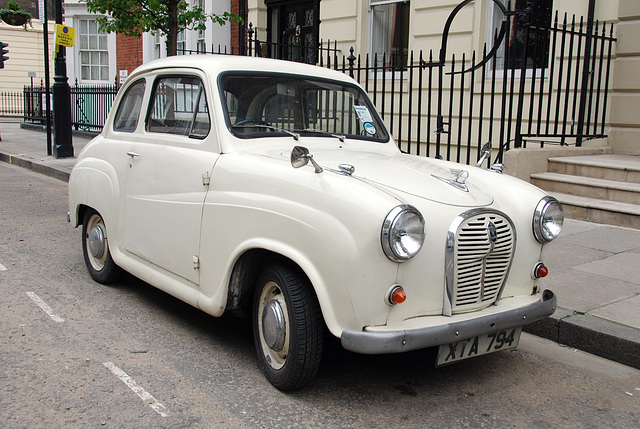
(594,269)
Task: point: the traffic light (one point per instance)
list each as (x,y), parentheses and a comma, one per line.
(3,51)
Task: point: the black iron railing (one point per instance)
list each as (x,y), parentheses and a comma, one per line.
(90,105)
(11,104)
(449,107)
(321,53)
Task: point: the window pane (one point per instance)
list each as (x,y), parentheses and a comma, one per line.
(537,44)
(390,33)
(297,104)
(129,108)
(94,57)
(173,103)
(104,73)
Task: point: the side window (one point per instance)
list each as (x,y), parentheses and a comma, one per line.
(389,32)
(129,109)
(179,106)
(539,36)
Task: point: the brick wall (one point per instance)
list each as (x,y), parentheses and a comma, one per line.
(129,53)
(235,27)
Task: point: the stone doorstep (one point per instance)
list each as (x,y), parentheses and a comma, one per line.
(623,192)
(600,211)
(620,168)
(596,172)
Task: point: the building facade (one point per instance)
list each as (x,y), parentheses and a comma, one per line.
(26,64)
(101,58)
(383,34)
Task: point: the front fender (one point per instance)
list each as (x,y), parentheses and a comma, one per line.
(101,177)
(327,224)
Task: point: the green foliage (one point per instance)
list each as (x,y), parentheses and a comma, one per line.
(13,6)
(169,17)
(13,15)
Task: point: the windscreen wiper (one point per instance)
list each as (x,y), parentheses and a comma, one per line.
(295,136)
(326,133)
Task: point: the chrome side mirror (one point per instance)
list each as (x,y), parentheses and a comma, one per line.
(300,157)
(486,152)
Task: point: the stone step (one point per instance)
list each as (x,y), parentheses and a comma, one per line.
(601,189)
(622,168)
(599,211)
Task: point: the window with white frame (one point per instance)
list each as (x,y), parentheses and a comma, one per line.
(157,45)
(94,54)
(512,49)
(389,32)
(201,44)
(181,43)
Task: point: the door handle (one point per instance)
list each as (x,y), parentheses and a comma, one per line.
(133,154)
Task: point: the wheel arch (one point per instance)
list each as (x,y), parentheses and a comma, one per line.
(244,277)
(81,209)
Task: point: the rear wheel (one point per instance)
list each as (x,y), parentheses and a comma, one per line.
(287,326)
(95,247)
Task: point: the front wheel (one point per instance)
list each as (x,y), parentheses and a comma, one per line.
(288,327)
(95,247)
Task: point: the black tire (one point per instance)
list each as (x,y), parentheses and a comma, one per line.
(290,353)
(95,248)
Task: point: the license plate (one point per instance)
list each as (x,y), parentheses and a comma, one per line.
(478,346)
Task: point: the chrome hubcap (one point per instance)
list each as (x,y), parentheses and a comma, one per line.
(273,325)
(96,242)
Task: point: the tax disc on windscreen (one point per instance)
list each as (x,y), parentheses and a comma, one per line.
(370,128)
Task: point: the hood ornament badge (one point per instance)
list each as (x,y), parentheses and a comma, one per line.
(461,177)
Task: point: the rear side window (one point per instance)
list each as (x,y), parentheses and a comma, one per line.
(179,106)
(129,109)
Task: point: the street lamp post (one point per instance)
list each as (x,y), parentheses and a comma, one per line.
(62,147)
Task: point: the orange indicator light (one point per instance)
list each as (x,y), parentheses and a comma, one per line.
(540,271)
(398,295)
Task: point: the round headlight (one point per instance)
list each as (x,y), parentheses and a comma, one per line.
(547,219)
(402,233)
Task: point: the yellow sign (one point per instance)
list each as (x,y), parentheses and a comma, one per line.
(65,36)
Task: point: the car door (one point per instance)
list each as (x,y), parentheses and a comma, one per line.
(167,180)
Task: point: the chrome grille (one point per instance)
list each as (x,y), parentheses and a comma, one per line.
(480,249)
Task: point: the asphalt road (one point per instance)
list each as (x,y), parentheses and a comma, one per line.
(74,353)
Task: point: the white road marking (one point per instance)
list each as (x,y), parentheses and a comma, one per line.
(143,394)
(3,268)
(44,307)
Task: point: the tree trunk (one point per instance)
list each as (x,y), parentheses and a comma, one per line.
(172,34)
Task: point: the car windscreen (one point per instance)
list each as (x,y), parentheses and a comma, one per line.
(269,104)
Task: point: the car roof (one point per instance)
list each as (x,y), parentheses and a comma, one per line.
(215,64)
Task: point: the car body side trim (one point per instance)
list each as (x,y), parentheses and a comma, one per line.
(368,342)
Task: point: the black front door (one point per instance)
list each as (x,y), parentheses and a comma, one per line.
(296,25)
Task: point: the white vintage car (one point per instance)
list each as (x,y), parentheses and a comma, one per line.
(273,189)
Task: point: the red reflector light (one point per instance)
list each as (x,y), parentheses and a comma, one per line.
(540,271)
(397,296)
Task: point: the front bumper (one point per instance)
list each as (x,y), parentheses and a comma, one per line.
(405,340)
